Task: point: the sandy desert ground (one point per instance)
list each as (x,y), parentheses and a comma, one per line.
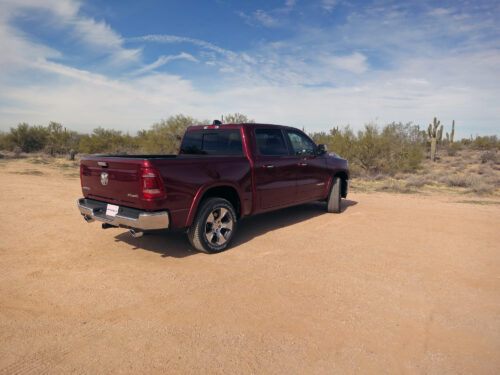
(395,284)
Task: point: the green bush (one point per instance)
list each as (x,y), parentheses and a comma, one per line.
(398,147)
(27,138)
(164,137)
(105,141)
(60,140)
(453,148)
(486,143)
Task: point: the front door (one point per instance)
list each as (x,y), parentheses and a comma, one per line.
(311,171)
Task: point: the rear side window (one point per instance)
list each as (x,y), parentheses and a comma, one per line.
(270,142)
(212,142)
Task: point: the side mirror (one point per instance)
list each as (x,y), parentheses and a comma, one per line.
(321,150)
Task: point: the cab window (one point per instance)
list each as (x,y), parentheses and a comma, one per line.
(301,145)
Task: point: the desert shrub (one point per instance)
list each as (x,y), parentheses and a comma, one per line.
(4,142)
(394,186)
(27,138)
(486,142)
(369,148)
(339,141)
(489,156)
(458,180)
(481,170)
(401,176)
(482,187)
(60,140)
(235,118)
(419,181)
(104,140)
(453,148)
(397,147)
(164,137)
(17,151)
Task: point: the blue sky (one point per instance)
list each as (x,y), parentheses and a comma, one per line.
(313,64)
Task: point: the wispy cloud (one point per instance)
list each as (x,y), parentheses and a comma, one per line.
(163,38)
(162,60)
(441,11)
(268,18)
(260,17)
(95,35)
(328,5)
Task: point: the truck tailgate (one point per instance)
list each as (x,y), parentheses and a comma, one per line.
(112,180)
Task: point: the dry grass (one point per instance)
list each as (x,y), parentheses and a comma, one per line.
(465,172)
(32,172)
(395,186)
(471,201)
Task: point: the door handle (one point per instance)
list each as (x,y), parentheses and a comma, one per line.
(302,164)
(268,166)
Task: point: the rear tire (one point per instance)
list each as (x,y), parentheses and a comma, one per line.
(334,196)
(214,226)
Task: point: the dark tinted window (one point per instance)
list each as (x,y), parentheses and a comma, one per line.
(270,142)
(301,144)
(212,142)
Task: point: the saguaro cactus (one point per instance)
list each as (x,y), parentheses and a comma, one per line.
(435,133)
(449,137)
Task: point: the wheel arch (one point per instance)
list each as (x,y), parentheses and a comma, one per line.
(223,190)
(343,178)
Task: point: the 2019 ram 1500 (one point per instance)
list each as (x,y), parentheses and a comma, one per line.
(221,174)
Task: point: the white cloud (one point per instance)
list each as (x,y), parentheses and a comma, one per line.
(66,17)
(162,60)
(260,17)
(441,11)
(264,18)
(328,5)
(164,38)
(355,63)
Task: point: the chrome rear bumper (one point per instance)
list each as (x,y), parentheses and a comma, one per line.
(126,217)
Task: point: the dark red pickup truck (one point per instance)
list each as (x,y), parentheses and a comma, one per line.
(222,173)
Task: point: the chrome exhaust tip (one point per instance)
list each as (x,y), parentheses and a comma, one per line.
(136,233)
(88,219)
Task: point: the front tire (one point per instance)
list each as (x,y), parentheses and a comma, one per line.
(334,196)
(214,226)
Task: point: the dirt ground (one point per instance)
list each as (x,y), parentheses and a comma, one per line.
(394,284)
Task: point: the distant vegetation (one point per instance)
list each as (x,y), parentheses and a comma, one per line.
(396,147)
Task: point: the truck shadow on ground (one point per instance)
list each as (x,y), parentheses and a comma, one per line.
(175,243)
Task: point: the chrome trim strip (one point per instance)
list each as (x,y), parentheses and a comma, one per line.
(133,218)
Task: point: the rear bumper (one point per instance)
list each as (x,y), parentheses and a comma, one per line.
(126,217)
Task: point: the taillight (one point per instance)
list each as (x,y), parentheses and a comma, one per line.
(81,174)
(151,184)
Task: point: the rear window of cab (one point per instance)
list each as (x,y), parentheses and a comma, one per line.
(212,142)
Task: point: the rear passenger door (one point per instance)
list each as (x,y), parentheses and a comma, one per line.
(310,169)
(274,169)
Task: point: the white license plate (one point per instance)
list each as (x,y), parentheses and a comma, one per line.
(112,210)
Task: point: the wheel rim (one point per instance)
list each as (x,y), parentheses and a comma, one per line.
(219,226)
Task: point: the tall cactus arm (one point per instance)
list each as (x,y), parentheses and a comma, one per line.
(440,134)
